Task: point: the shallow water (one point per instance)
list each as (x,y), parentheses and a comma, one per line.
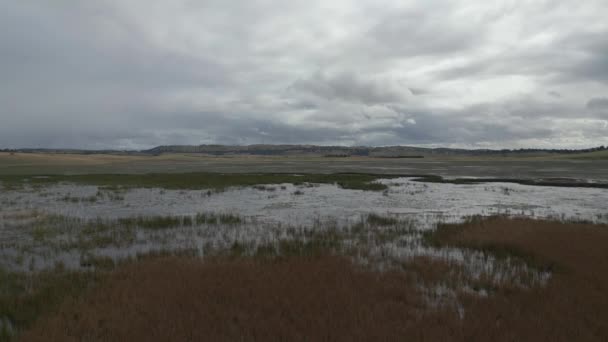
(271,213)
(33,239)
(427,203)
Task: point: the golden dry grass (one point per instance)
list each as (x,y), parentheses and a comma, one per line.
(75,159)
(68,163)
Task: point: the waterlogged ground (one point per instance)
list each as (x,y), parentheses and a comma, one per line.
(304,205)
(82,226)
(85,227)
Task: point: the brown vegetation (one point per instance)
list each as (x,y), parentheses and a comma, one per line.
(574,304)
(329,298)
(177,299)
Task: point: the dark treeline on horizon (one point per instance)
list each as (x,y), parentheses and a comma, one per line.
(303,149)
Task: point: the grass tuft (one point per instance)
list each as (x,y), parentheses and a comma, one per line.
(377,220)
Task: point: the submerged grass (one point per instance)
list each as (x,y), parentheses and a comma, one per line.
(308,294)
(24,297)
(375,219)
(212,181)
(213,218)
(557,182)
(49,235)
(155,222)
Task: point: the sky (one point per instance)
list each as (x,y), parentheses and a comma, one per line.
(134,74)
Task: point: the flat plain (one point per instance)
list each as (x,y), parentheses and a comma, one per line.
(591,166)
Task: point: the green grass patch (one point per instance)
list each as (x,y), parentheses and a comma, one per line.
(597,155)
(557,182)
(26,297)
(378,220)
(212,218)
(41,233)
(195,181)
(155,222)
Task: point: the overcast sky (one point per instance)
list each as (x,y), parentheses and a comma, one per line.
(141,73)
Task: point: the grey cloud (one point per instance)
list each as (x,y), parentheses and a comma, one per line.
(232,129)
(545,63)
(352,88)
(116,74)
(430,127)
(422,31)
(418,91)
(598,103)
(70,46)
(570,54)
(466,126)
(591,50)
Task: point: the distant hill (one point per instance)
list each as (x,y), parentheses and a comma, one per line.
(328,151)
(337,151)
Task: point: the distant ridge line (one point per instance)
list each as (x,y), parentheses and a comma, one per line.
(328,151)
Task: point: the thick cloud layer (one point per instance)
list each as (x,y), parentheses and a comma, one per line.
(135,74)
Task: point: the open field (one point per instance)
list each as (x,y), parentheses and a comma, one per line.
(597,155)
(570,166)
